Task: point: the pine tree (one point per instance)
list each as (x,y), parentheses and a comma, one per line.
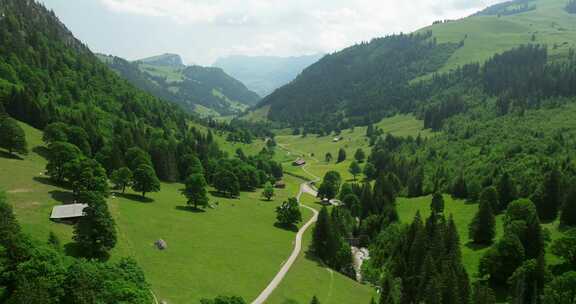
(483,294)
(437,205)
(323,240)
(490,195)
(483,227)
(341,155)
(95,232)
(460,189)
(314,300)
(506,191)
(366,201)
(548,198)
(360,156)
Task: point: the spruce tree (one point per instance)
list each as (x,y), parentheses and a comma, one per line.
(506,191)
(437,205)
(490,195)
(95,232)
(460,189)
(341,155)
(483,294)
(314,300)
(482,229)
(323,237)
(568,215)
(548,198)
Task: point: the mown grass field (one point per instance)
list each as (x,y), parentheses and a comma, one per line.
(485,36)
(314,148)
(308,278)
(234,249)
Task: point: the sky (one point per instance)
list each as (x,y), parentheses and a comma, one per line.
(202,31)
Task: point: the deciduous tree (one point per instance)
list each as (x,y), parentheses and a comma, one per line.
(195,191)
(268,191)
(121,178)
(95,232)
(145,180)
(12,137)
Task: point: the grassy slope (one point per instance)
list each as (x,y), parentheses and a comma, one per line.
(401,125)
(488,35)
(209,253)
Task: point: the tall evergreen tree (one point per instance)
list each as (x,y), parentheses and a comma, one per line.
(568,215)
(341,155)
(437,205)
(323,238)
(95,232)
(506,191)
(548,198)
(482,229)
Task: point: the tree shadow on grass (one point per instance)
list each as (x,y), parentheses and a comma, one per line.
(72,249)
(476,247)
(135,197)
(63,197)
(220,194)
(309,254)
(292,228)
(42,151)
(48,181)
(190,209)
(5,154)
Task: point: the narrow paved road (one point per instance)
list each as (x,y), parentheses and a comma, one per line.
(304,188)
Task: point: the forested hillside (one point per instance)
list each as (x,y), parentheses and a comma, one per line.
(191,87)
(369,81)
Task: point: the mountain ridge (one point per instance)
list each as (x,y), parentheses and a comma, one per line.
(204,90)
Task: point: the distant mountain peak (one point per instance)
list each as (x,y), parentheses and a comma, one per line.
(168,60)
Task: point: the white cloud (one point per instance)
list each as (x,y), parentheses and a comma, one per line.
(290,27)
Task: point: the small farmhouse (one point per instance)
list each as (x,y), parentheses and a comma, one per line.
(68,212)
(299,162)
(280,184)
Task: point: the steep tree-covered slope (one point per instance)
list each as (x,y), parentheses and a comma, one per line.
(369,81)
(264,74)
(165,76)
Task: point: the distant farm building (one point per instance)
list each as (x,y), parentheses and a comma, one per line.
(299,162)
(280,184)
(68,212)
(337,139)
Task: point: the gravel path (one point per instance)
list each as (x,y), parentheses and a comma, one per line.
(304,188)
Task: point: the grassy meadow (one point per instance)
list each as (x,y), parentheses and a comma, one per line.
(486,35)
(314,148)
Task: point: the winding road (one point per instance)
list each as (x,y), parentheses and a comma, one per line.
(304,188)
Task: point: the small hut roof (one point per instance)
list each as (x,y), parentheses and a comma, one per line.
(68,211)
